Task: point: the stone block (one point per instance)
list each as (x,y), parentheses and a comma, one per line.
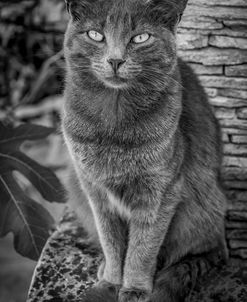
(236,184)
(214,56)
(228,42)
(224,113)
(231,173)
(233,123)
(234,31)
(238,198)
(236,70)
(217,12)
(187,41)
(237,234)
(223,82)
(200,23)
(236,225)
(239,139)
(234,161)
(219,2)
(242,112)
(220,101)
(236,244)
(242,253)
(234,149)
(234,131)
(233,93)
(237,215)
(202,69)
(235,23)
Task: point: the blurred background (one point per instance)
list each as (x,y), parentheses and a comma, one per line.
(212,37)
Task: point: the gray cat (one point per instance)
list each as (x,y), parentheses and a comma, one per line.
(145,148)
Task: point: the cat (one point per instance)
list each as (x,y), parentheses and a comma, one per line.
(145,150)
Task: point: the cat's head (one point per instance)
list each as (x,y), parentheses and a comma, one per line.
(121,44)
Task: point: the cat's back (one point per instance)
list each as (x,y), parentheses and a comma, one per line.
(198,123)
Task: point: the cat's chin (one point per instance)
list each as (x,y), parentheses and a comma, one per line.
(115,82)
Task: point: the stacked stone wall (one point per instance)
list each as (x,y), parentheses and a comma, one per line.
(212,37)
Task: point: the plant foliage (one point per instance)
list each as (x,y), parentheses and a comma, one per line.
(28,220)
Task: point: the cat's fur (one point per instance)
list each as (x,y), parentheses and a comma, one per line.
(145,150)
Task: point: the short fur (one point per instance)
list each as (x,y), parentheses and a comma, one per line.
(145,148)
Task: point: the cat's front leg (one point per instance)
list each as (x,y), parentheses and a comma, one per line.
(112,235)
(148,228)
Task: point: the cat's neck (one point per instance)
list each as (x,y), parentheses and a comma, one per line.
(120,106)
(122,115)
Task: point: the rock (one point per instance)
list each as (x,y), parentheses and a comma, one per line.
(233,149)
(68,266)
(219,2)
(187,41)
(231,173)
(236,225)
(234,131)
(234,31)
(199,23)
(242,112)
(223,82)
(233,123)
(228,42)
(237,234)
(221,101)
(224,113)
(237,215)
(235,161)
(234,93)
(239,139)
(236,70)
(202,69)
(235,184)
(242,253)
(214,56)
(217,12)
(237,200)
(236,244)
(235,23)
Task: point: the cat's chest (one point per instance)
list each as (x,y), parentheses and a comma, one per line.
(101,163)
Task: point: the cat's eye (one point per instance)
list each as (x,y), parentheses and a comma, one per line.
(96,36)
(141,38)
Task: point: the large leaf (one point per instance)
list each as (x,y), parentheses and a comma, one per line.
(27,219)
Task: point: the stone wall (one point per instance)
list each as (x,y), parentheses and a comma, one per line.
(212,37)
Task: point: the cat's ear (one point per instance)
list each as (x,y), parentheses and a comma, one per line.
(171,11)
(77,8)
(178,4)
(72,8)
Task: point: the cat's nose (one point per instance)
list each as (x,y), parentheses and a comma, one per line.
(116,63)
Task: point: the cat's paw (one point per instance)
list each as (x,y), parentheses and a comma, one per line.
(133,295)
(113,288)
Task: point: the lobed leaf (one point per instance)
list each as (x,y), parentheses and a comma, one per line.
(27,219)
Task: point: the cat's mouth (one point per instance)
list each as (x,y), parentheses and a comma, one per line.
(116,81)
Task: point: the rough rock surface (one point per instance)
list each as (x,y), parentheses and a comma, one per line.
(67,270)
